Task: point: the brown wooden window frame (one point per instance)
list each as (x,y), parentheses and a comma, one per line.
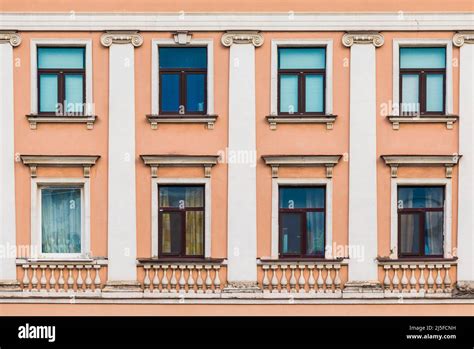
(182,254)
(421,213)
(61,73)
(302,212)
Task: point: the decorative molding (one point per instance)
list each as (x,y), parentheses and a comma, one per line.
(37,119)
(461,38)
(273,120)
(11,37)
(35,161)
(242,37)
(276,161)
(121,37)
(182,37)
(155,161)
(373,38)
(208,120)
(448,119)
(394,161)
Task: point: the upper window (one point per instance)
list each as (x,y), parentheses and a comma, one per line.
(183,80)
(301,80)
(422,80)
(181,221)
(61,219)
(302,221)
(61,80)
(420,221)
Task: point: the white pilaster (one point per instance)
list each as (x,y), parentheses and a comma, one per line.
(465,249)
(242,190)
(7,162)
(362,158)
(122,269)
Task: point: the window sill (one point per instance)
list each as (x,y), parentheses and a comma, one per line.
(62,261)
(329,120)
(416,260)
(426,119)
(183,261)
(35,119)
(302,260)
(208,120)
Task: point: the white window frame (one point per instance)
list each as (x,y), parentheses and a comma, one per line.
(155,183)
(447,228)
(36,239)
(397,43)
(87,43)
(276,184)
(326,43)
(155,70)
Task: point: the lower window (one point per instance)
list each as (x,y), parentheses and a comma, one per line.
(181,221)
(302,221)
(420,221)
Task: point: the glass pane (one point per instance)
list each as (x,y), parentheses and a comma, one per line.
(181,196)
(48,93)
(169,90)
(302,58)
(314,93)
(434,227)
(74,93)
(291,233)
(183,57)
(409,233)
(434,92)
(422,57)
(61,57)
(171,232)
(315,233)
(302,197)
(194,233)
(410,91)
(420,197)
(195,88)
(288,93)
(61,220)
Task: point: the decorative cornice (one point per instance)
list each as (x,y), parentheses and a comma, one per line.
(155,161)
(394,161)
(242,37)
(462,38)
(276,161)
(373,38)
(34,161)
(10,36)
(121,37)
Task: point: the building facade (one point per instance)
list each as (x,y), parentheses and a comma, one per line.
(237,158)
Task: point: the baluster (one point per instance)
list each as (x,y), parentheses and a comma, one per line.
(265,281)
(421,281)
(164,280)
(329,282)
(447,279)
(292,279)
(404,279)
(430,278)
(301,279)
(217,280)
(26,279)
(52,279)
(199,281)
(311,280)
(191,281)
(43,277)
(320,278)
(439,279)
(88,278)
(146,280)
(97,281)
(284,280)
(337,278)
(395,280)
(386,279)
(34,279)
(208,278)
(70,279)
(413,279)
(182,281)
(61,278)
(156,279)
(274,278)
(173,281)
(79,280)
